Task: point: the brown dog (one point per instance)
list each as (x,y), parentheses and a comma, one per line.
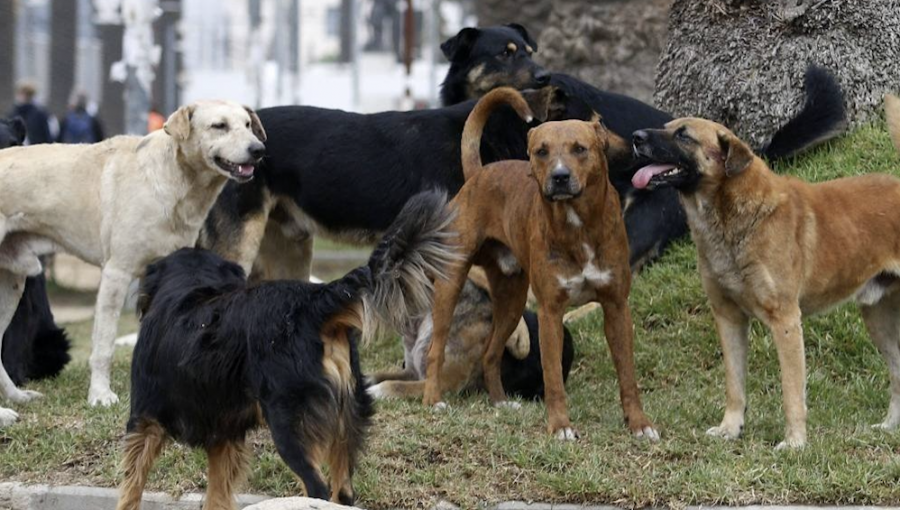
(553,222)
(777,248)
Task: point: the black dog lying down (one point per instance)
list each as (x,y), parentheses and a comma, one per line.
(215,356)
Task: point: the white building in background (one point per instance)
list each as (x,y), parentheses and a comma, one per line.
(232,52)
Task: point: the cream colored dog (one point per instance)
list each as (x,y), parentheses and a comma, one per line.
(118,204)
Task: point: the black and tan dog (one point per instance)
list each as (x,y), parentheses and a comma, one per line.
(214,354)
(778,249)
(554,223)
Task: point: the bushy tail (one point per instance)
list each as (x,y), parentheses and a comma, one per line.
(417,248)
(822,117)
(471,137)
(892,113)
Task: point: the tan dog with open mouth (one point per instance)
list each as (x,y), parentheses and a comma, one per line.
(553,222)
(777,248)
(118,204)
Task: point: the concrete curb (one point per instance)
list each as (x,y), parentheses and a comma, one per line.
(18,496)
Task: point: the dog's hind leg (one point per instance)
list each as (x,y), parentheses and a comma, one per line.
(142,447)
(446,295)
(111,297)
(228,463)
(341,470)
(11,288)
(509,296)
(296,446)
(883,323)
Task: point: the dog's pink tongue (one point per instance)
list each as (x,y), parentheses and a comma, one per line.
(642,177)
(245,170)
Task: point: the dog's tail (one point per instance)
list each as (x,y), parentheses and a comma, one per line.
(471,137)
(892,113)
(822,117)
(396,285)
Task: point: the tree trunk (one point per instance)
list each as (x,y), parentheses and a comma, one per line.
(112,106)
(742,62)
(530,14)
(63,32)
(8,55)
(611,44)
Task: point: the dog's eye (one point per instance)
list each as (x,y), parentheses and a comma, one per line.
(542,152)
(579,149)
(682,135)
(220,125)
(247,126)
(506,53)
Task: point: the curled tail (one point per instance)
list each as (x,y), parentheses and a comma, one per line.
(471,137)
(396,285)
(892,113)
(822,117)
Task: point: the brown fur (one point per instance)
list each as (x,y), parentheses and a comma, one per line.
(141,450)
(777,249)
(503,213)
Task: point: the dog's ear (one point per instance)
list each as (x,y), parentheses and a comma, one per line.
(603,134)
(457,47)
(528,142)
(525,35)
(17,126)
(178,125)
(738,155)
(256,126)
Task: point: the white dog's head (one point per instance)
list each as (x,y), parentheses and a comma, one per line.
(223,135)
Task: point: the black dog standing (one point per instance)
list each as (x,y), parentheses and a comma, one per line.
(214,353)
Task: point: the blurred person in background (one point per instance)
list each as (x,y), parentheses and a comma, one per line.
(37,120)
(79,126)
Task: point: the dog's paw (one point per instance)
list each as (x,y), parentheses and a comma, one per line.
(791,444)
(567,434)
(440,407)
(508,404)
(648,433)
(376,391)
(21,396)
(725,431)
(103,398)
(7,417)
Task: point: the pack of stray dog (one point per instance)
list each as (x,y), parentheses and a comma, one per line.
(526,186)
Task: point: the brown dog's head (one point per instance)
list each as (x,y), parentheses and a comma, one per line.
(568,156)
(687,153)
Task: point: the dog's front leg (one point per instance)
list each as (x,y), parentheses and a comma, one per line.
(114,284)
(733,327)
(788,334)
(11,288)
(550,333)
(619,331)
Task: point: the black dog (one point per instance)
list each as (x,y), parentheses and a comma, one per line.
(214,353)
(652,219)
(33,346)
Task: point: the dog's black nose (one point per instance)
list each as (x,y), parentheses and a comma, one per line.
(560,176)
(640,137)
(257,151)
(542,77)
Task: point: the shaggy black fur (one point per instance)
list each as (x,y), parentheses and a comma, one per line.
(211,348)
(33,346)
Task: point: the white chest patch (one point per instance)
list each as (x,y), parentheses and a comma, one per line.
(590,278)
(572,217)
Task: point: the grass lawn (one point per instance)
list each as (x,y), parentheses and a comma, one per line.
(474,455)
